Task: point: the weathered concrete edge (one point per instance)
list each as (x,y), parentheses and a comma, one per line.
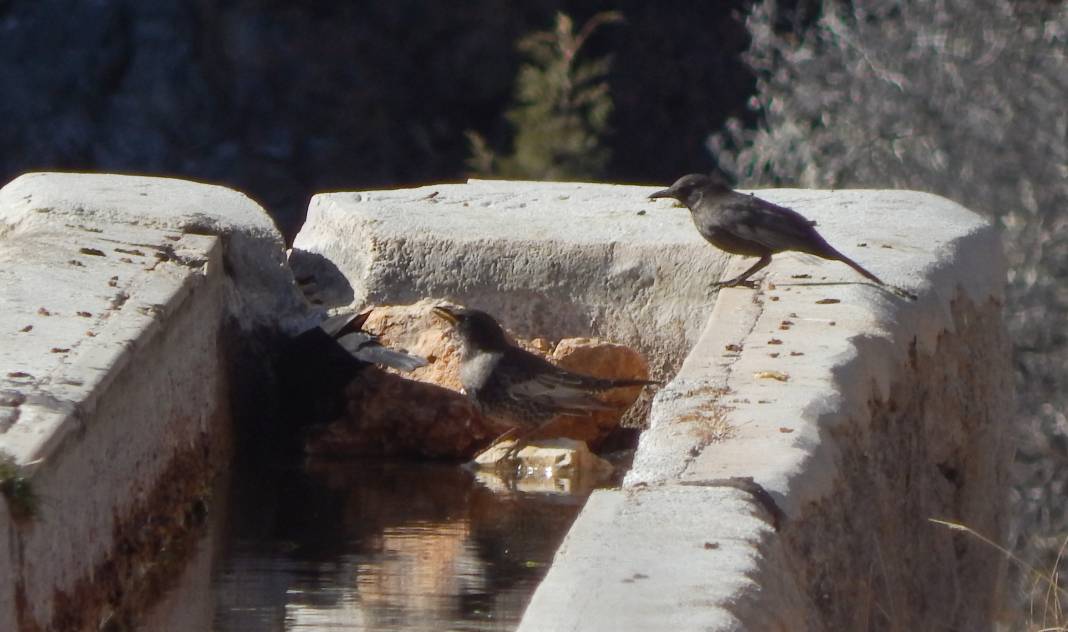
(658,547)
(550,260)
(254,248)
(872,343)
(685,419)
(534,267)
(58,570)
(73,582)
(107,356)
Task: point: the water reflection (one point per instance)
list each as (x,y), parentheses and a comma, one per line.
(382,546)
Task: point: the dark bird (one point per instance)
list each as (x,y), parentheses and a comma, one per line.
(347,329)
(316,365)
(517,388)
(747,225)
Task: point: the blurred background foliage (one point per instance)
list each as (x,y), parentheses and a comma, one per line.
(561,113)
(285,98)
(967,99)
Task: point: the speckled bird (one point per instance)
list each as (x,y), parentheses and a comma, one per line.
(515,387)
(747,225)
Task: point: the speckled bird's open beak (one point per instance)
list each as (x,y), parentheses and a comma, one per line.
(445,314)
(663,193)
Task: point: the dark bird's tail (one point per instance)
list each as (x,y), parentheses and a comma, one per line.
(827,251)
(815,244)
(366,347)
(856,266)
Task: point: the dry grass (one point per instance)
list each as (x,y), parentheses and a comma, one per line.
(1047,596)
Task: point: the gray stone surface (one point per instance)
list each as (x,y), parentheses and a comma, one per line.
(56,203)
(72,320)
(662,554)
(841,337)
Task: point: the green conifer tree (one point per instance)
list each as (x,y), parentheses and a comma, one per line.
(561,111)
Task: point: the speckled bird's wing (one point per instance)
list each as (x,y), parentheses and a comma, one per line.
(535,380)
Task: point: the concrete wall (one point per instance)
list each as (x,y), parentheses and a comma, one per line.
(556,259)
(814,429)
(117,306)
(810,429)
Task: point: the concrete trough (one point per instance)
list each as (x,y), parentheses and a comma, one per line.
(811,428)
(808,430)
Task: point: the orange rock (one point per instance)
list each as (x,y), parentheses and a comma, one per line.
(414,328)
(409,414)
(603,359)
(388,415)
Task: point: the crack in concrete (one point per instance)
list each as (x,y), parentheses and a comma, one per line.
(10,401)
(162,253)
(755,490)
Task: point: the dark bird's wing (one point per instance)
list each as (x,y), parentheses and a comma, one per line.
(774,227)
(778,228)
(366,347)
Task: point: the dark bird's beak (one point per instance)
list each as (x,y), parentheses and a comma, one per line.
(663,193)
(445,314)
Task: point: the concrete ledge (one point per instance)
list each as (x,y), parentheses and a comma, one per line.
(853,415)
(662,550)
(549,259)
(253,248)
(784,483)
(115,377)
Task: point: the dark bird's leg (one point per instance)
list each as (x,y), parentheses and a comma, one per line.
(741,278)
(521,441)
(503,436)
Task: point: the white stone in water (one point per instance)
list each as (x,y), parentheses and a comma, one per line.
(551,465)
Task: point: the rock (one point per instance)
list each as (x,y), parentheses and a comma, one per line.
(388,415)
(423,413)
(603,359)
(414,328)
